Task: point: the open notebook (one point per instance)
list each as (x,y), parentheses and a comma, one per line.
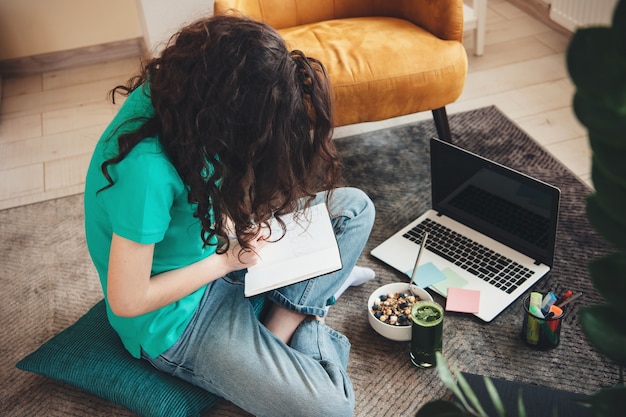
(308,249)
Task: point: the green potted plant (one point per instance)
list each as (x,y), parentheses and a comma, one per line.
(596,60)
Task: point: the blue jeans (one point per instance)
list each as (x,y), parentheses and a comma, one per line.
(227,350)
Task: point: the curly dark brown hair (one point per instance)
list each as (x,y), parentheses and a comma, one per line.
(246,123)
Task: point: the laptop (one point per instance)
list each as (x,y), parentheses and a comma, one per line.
(490,229)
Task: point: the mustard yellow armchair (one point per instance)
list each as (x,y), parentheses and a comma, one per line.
(385,58)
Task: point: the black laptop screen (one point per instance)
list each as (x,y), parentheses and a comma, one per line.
(510,207)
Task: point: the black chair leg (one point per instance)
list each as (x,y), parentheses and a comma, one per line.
(442,125)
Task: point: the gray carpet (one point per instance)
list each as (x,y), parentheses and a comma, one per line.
(47,282)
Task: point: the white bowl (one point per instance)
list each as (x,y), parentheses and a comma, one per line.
(400,333)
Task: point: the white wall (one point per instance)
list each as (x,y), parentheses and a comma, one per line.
(34,27)
(162,18)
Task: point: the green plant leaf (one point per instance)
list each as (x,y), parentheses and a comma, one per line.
(596,66)
(441,408)
(598,118)
(495,397)
(609,194)
(594,62)
(606,328)
(619,25)
(609,278)
(469,394)
(608,402)
(608,156)
(611,230)
(521,409)
(446,377)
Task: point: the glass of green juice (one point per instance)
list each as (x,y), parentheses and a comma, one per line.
(426,333)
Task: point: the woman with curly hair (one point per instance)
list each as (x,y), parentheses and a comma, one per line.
(223,131)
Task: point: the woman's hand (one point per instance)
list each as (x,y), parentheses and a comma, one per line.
(239,258)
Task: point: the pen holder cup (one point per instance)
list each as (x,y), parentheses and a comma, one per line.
(540,333)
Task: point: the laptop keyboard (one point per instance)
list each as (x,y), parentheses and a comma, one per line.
(493,268)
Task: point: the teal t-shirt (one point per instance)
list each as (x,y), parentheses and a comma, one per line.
(147,204)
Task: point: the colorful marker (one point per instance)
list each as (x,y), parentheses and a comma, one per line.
(552,318)
(556,311)
(548,331)
(532,325)
(570,299)
(564,297)
(547,302)
(534,310)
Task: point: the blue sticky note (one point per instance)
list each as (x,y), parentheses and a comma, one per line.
(427,274)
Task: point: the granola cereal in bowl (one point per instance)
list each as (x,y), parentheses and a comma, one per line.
(389,307)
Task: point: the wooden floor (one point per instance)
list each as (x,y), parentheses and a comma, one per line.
(49,123)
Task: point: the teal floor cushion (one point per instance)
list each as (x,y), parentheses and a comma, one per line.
(90,356)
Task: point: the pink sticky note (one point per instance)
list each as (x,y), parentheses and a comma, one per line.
(462,300)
